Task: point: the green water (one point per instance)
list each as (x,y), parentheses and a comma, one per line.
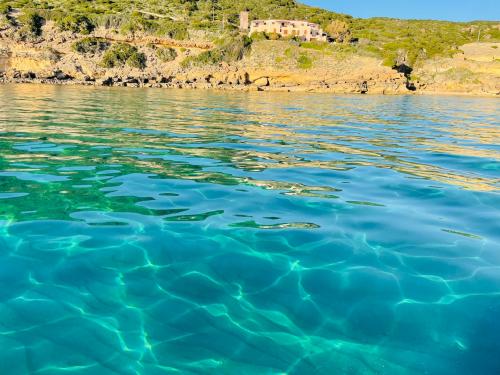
(186,232)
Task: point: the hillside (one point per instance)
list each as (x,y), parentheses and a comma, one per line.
(174,37)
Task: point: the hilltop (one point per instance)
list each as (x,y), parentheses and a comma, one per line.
(197,44)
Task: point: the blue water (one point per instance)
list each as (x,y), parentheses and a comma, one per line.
(194,232)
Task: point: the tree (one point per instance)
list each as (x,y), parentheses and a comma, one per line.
(32,23)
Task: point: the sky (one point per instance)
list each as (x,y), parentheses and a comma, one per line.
(454,10)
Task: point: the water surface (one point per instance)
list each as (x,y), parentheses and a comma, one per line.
(188,232)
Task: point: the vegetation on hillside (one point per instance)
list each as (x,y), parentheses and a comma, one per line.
(229,50)
(166,54)
(395,41)
(417,40)
(32,24)
(120,54)
(90,45)
(76,23)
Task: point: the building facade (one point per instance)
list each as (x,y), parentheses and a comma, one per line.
(301,29)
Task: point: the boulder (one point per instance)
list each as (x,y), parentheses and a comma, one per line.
(28,75)
(107,82)
(363,87)
(61,76)
(131,81)
(165,79)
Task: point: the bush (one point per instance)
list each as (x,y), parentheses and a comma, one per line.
(259,36)
(139,22)
(90,45)
(232,50)
(121,54)
(273,36)
(5,9)
(32,23)
(236,48)
(318,46)
(76,23)
(137,60)
(173,29)
(166,54)
(211,57)
(304,61)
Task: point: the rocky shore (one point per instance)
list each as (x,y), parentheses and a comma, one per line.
(207,82)
(270,66)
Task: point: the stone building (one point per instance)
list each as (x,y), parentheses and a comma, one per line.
(244,25)
(301,29)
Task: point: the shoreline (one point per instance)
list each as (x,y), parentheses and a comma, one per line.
(240,88)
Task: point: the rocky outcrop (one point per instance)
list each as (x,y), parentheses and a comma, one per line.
(476,70)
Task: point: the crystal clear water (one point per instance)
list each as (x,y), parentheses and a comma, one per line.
(178,232)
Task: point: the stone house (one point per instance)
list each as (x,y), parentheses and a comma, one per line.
(301,29)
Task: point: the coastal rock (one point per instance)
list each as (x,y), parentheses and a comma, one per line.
(61,76)
(107,82)
(131,81)
(166,79)
(363,87)
(28,75)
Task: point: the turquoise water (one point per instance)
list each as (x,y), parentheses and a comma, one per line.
(186,232)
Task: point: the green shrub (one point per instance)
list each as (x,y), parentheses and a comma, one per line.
(32,23)
(318,46)
(5,9)
(137,60)
(273,36)
(120,54)
(76,23)
(211,57)
(139,22)
(259,36)
(304,61)
(172,29)
(493,33)
(166,54)
(232,50)
(235,49)
(90,45)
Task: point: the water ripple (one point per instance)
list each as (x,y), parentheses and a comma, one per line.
(179,232)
